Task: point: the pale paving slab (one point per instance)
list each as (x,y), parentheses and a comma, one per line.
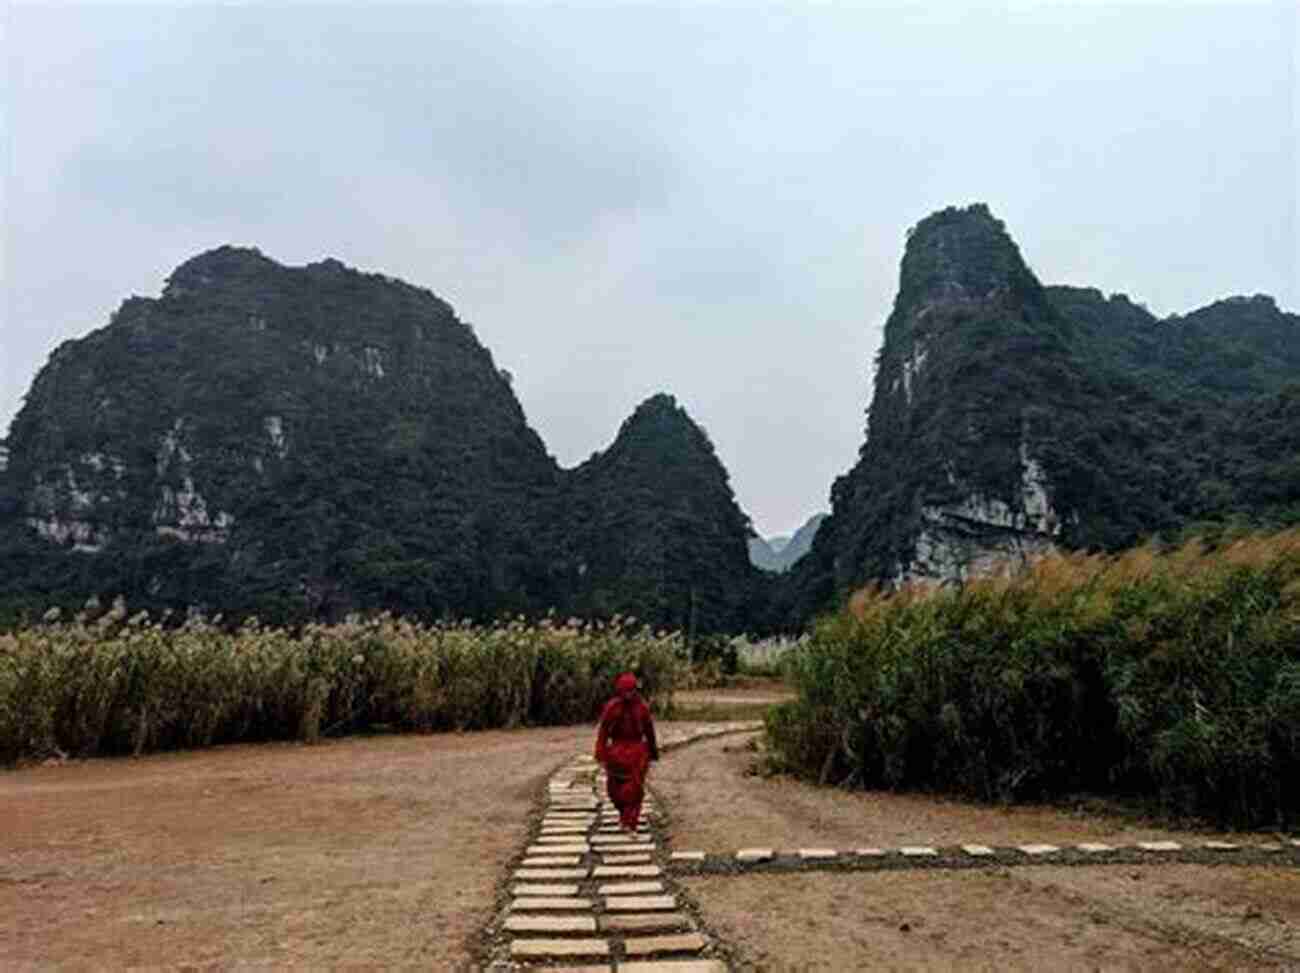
(1220,846)
(561,839)
(620,839)
(917,851)
(689,856)
(528,889)
(625,859)
(1160,846)
(1039,849)
(644,922)
(754,854)
(639,903)
(539,948)
(550,924)
(869,852)
(547,874)
(547,861)
(691,942)
(630,888)
(813,854)
(548,903)
(1094,847)
(568,848)
(978,851)
(676,966)
(626,871)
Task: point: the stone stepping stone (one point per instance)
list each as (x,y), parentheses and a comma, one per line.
(545,861)
(754,854)
(547,874)
(687,856)
(525,890)
(630,888)
(1268,846)
(548,903)
(1160,846)
(550,924)
(977,851)
(626,871)
(1039,849)
(625,859)
(639,903)
(619,839)
(691,942)
(1094,847)
(568,848)
(1220,846)
(869,852)
(559,839)
(644,922)
(918,851)
(813,854)
(675,966)
(541,948)
(561,831)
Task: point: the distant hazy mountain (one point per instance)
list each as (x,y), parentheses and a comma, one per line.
(779,553)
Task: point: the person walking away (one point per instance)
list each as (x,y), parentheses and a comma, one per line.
(625,745)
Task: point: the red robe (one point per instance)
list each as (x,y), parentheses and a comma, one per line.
(625,744)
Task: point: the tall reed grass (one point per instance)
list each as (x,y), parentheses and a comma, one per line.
(127,685)
(1172,676)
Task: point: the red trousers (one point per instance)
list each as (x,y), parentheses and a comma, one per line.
(626,765)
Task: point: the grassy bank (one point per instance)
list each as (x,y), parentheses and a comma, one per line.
(129,685)
(1172,677)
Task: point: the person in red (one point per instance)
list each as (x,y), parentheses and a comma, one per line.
(625,745)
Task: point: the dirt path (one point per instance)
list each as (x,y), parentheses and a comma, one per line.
(383,851)
(1040,917)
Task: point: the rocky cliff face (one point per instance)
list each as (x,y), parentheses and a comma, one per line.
(952,478)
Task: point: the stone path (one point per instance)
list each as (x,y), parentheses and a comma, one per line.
(587,897)
(747,860)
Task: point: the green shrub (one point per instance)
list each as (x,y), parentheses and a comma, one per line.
(1169,675)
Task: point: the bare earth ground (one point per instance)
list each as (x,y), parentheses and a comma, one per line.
(375,852)
(1041,917)
(387,852)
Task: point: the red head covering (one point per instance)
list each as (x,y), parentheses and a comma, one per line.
(625,684)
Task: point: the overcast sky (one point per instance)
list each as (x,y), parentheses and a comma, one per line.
(705,200)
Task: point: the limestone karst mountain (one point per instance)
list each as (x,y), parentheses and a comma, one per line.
(657,529)
(299,442)
(1009,419)
(777,554)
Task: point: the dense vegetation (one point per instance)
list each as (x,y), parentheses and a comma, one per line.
(113,684)
(1172,676)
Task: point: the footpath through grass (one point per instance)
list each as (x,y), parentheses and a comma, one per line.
(1172,677)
